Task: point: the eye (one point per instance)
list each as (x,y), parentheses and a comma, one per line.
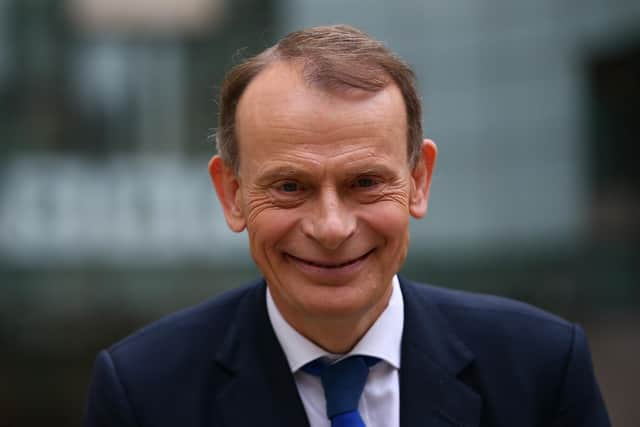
(287,193)
(365,182)
(289,187)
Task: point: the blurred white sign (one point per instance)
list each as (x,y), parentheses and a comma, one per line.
(121,210)
(145,16)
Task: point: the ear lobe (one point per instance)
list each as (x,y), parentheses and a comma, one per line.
(421,177)
(227,187)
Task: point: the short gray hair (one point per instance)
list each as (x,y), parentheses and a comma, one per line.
(337,56)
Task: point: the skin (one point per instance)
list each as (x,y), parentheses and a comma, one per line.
(325,192)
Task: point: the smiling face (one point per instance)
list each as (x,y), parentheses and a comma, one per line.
(325,192)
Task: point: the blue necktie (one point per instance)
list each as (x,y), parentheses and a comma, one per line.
(343,383)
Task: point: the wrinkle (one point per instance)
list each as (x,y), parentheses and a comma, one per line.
(257,205)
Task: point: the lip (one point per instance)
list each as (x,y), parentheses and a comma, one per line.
(329,272)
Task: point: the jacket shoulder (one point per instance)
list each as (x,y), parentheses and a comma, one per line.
(463,306)
(523,357)
(207,320)
(180,348)
(157,375)
(502,333)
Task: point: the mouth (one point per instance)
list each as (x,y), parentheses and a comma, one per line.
(331,265)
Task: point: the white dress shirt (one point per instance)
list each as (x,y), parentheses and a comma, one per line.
(380,402)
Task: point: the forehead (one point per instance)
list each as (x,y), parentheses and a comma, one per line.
(281,100)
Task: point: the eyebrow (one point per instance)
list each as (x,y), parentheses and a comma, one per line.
(281,172)
(379,169)
(288,171)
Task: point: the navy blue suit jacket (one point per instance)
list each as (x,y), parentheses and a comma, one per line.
(467,360)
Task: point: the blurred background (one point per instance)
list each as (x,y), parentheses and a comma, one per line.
(108,219)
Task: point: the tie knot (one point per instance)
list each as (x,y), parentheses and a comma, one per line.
(343,381)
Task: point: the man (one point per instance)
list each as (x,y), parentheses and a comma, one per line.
(322,162)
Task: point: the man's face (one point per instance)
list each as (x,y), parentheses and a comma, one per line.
(325,192)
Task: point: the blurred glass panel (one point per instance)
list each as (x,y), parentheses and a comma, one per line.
(151,17)
(125,211)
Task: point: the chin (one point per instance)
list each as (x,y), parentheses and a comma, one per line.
(336,303)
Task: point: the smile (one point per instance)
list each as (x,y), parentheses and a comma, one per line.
(331,265)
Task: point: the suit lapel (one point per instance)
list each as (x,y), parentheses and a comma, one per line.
(261,390)
(432,358)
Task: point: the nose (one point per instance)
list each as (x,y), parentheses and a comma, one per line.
(330,222)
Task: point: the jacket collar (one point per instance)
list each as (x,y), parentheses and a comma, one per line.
(262,390)
(433,357)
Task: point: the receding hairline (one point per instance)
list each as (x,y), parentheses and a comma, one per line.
(292,73)
(334,57)
(300,69)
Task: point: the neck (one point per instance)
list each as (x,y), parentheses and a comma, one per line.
(336,336)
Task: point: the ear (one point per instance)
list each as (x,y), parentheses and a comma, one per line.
(227,187)
(421,177)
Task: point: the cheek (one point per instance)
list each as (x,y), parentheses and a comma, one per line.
(392,225)
(267,227)
(389,219)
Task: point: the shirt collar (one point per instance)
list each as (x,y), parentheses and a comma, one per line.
(382,340)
